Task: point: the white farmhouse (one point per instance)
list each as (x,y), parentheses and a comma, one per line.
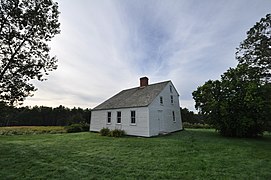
(147,110)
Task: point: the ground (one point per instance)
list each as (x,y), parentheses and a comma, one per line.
(189,154)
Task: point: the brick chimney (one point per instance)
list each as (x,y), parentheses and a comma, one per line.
(144,81)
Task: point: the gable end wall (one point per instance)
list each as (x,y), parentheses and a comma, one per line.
(163,122)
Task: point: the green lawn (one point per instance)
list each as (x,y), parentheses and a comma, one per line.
(189,154)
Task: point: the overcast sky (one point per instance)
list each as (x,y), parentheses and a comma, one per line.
(105,46)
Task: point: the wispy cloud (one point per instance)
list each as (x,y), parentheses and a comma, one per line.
(105,46)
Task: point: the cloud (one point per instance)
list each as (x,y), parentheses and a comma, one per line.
(106,46)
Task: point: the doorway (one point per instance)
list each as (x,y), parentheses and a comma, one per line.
(160,120)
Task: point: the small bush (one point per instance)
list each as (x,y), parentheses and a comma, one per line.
(74,128)
(105,132)
(117,133)
(112,133)
(85,127)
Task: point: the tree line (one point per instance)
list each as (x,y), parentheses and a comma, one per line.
(42,116)
(192,118)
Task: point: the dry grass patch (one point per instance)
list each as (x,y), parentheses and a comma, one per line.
(20,130)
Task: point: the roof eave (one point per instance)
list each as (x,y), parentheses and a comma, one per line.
(119,108)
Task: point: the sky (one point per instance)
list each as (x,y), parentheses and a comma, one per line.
(105,46)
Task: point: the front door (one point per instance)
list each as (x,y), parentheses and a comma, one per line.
(160,120)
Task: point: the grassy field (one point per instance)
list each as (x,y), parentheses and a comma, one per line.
(189,154)
(20,130)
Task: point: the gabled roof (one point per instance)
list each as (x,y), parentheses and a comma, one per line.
(135,97)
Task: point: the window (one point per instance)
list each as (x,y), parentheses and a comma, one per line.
(118,117)
(161,100)
(108,117)
(133,117)
(170,89)
(173,116)
(171,99)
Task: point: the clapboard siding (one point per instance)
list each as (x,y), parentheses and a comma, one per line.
(140,128)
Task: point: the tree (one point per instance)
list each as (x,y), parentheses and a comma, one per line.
(4,114)
(255,50)
(235,105)
(26,26)
(240,103)
(190,117)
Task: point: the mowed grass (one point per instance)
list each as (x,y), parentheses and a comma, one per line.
(189,154)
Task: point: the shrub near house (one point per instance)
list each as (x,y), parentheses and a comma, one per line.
(112,133)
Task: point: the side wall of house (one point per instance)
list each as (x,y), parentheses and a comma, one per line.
(99,120)
(165,116)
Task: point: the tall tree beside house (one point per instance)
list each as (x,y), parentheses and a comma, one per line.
(26,26)
(240,103)
(255,50)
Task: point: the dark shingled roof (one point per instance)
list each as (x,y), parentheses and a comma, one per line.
(135,97)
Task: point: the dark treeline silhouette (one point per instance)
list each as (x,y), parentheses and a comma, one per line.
(191,117)
(63,116)
(42,116)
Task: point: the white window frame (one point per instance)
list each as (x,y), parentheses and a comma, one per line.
(161,100)
(171,99)
(133,117)
(109,117)
(170,89)
(173,116)
(118,117)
